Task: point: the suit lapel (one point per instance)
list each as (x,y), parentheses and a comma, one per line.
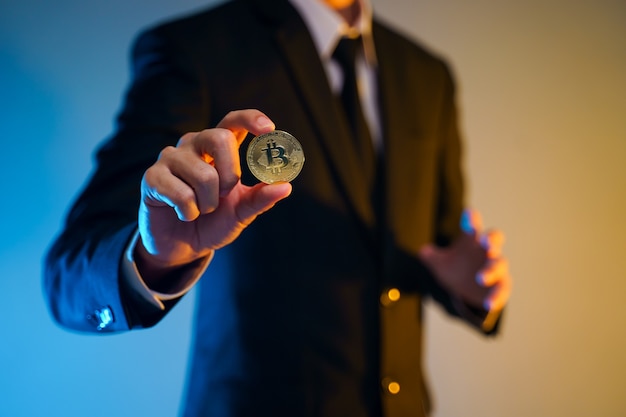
(400,129)
(310,80)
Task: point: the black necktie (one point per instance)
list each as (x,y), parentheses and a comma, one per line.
(345,54)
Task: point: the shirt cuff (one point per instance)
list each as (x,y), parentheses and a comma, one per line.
(187,277)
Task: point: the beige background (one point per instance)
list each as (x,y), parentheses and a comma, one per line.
(542,91)
(543,98)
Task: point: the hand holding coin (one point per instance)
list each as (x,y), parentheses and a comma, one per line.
(275,156)
(192,199)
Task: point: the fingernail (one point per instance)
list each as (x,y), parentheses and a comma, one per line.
(487,305)
(480,279)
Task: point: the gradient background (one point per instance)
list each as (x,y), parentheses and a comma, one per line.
(543,100)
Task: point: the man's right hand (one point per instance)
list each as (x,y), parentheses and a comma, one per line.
(192,199)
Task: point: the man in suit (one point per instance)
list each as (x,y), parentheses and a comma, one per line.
(310,298)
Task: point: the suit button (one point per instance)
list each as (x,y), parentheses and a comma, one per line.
(101,317)
(389,297)
(392,387)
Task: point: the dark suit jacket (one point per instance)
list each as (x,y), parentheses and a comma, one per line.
(289,319)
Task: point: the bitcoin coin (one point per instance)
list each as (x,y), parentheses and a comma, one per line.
(275,156)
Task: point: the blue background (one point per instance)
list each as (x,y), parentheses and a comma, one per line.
(63,71)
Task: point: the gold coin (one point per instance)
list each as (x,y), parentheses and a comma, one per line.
(275,156)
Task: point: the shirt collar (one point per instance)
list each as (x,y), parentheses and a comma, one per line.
(327,27)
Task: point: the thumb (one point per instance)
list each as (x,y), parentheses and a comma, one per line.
(261,198)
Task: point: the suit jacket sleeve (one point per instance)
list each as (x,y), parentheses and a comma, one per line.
(82,268)
(451,205)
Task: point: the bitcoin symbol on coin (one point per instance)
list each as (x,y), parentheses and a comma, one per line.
(275,156)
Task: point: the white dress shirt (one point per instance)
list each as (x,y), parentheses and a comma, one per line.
(327,27)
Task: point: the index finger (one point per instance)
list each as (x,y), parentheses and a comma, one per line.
(240,122)
(217,147)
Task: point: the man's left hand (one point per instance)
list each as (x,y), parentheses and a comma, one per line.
(472,267)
